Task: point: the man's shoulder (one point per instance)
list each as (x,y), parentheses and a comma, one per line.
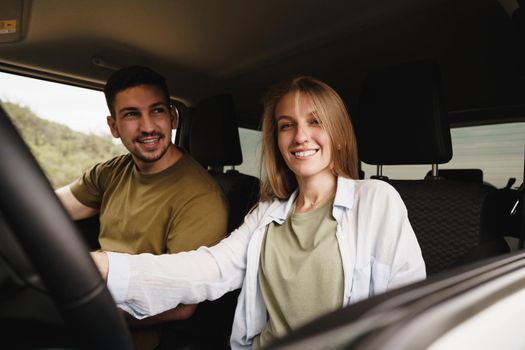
(114,167)
(195,174)
(116,162)
(106,168)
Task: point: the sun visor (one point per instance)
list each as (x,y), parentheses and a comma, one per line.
(13,20)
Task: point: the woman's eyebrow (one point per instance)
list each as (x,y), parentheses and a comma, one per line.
(281,117)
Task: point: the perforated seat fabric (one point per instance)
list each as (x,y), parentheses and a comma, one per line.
(242,191)
(446,216)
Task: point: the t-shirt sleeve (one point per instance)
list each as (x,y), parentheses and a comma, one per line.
(89,188)
(202,222)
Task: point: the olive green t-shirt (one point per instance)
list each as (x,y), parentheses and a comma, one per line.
(178,209)
(300,272)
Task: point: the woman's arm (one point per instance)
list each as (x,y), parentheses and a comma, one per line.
(145,285)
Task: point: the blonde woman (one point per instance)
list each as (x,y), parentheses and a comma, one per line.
(318,240)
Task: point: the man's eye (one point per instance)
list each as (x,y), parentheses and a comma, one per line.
(159,110)
(131,114)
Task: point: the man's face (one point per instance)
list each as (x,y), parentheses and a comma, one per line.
(143,121)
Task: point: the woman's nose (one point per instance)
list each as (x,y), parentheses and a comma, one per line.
(301,136)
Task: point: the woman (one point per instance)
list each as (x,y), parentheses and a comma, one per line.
(318,240)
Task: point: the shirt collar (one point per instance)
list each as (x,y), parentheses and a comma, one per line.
(344,197)
(344,194)
(280,212)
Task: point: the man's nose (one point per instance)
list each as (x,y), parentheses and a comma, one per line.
(146,123)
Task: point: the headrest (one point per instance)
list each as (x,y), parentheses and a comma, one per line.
(214,137)
(402,117)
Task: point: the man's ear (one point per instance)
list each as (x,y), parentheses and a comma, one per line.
(174,117)
(113,126)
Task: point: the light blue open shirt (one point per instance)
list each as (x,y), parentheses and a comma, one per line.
(377,245)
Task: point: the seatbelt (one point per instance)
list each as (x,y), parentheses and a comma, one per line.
(520,200)
(519,206)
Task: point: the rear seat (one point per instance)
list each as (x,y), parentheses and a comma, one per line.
(402,120)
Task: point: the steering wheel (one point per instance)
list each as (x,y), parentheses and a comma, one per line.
(53,245)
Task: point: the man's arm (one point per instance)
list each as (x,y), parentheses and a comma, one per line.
(75,209)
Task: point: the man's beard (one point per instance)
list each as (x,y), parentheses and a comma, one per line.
(149,157)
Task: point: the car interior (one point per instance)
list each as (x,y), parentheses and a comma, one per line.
(410,72)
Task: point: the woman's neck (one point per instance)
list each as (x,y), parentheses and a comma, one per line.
(314,192)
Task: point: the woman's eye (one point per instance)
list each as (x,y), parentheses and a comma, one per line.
(285,126)
(316,122)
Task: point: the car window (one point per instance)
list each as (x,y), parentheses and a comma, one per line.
(251,152)
(496,149)
(64,126)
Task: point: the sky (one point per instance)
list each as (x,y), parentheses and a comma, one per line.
(80,109)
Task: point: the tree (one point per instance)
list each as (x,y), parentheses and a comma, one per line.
(62,153)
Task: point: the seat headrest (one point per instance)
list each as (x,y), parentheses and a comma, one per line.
(402,117)
(214,137)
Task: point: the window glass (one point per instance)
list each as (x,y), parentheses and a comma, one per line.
(497,149)
(64,126)
(251,152)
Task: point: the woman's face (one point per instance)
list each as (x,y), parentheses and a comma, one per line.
(303,143)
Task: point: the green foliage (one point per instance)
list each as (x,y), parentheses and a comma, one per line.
(63,154)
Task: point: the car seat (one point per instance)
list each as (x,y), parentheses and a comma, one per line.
(402,120)
(213,140)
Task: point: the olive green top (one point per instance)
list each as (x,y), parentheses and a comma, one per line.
(300,272)
(178,209)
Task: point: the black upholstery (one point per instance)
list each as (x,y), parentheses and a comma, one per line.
(214,142)
(401,117)
(446,217)
(214,136)
(242,192)
(401,120)
(468,175)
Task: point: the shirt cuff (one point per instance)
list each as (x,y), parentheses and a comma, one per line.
(118,276)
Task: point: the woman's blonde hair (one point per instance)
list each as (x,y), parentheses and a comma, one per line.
(278,180)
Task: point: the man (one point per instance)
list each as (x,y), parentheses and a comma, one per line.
(154,199)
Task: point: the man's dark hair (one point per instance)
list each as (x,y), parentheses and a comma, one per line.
(129,77)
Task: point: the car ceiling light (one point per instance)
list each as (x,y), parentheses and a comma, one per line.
(100,62)
(13,20)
